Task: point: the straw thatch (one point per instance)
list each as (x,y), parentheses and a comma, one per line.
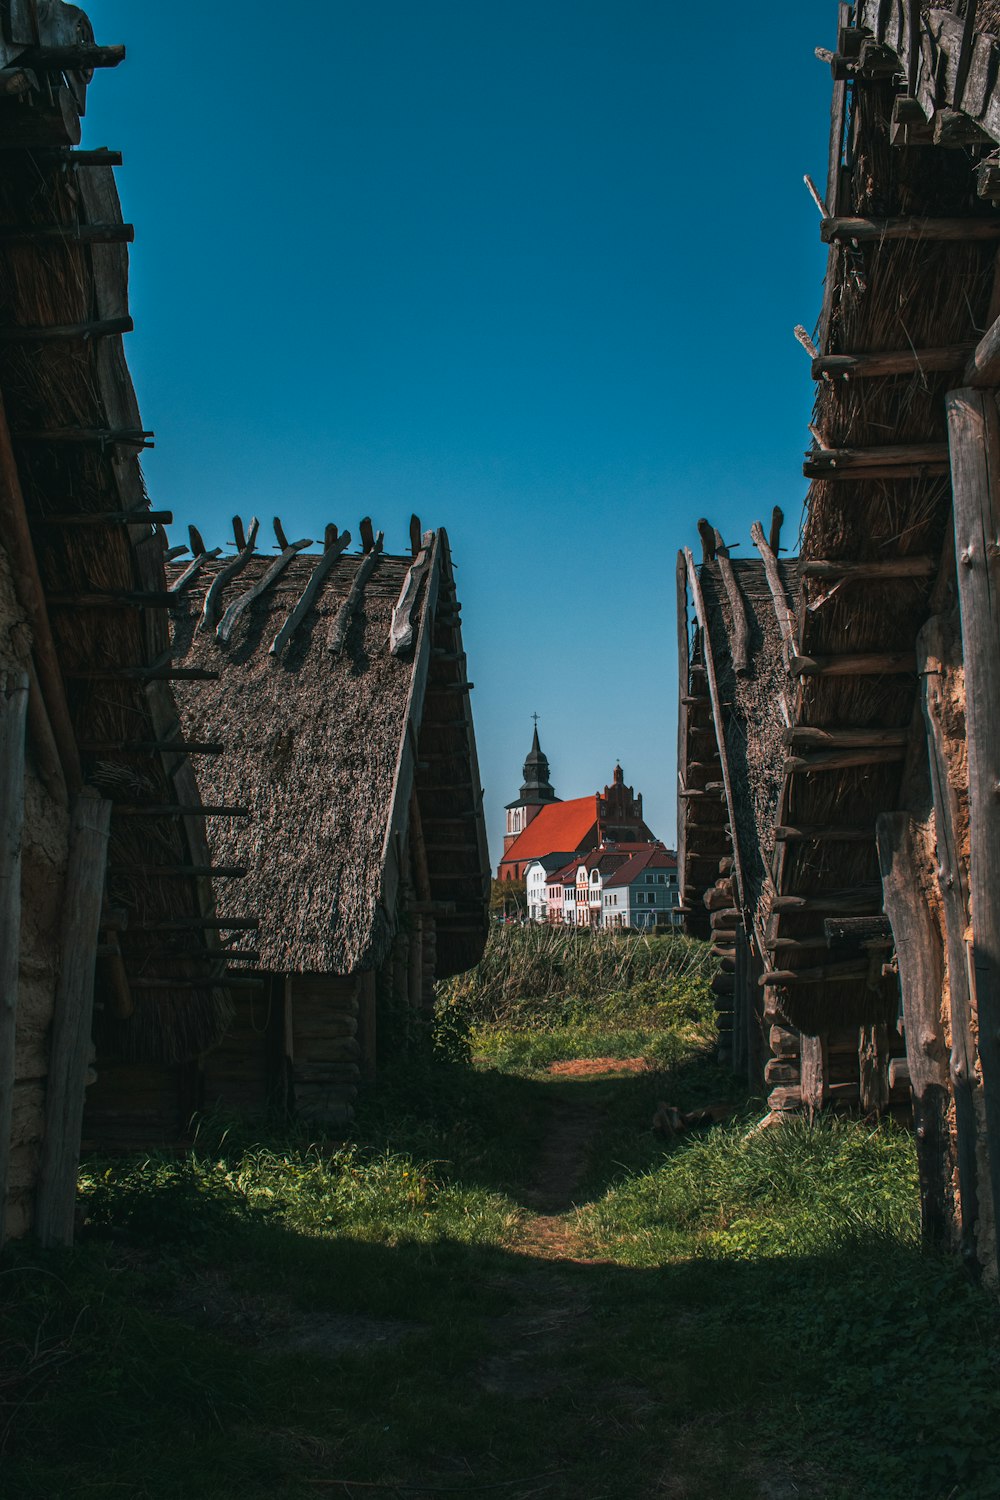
(316,743)
(78,383)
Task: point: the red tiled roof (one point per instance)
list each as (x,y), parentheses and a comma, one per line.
(650,859)
(559,825)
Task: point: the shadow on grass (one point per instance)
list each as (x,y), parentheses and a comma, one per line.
(275,1364)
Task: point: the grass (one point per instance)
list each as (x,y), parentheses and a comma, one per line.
(739,1313)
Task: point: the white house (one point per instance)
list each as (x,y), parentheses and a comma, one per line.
(538,875)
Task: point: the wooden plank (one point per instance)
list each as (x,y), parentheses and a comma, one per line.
(821,974)
(867,231)
(864,664)
(822,462)
(844,737)
(193,569)
(891,362)
(335,546)
(974,435)
(65,333)
(843,760)
(859,902)
(919,956)
(13,722)
(822,833)
(248,546)
(401,631)
(934,654)
(838,123)
(238,606)
(78,58)
(71,1045)
(983,369)
(893,567)
(138,517)
(67,234)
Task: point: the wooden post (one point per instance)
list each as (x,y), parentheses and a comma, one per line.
(934,652)
(740,642)
(814,1073)
(69,1056)
(13,716)
(921,976)
(974,440)
(873,1068)
(366,1023)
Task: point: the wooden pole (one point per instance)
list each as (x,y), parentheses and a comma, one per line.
(934,654)
(31,596)
(921,976)
(683,715)
(737,608)
(13,717)
(70,1051)
(974,438)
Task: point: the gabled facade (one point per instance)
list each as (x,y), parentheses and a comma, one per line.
(643,892)
(584,823)
(537,877)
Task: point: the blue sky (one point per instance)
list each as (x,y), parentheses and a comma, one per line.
(530,270)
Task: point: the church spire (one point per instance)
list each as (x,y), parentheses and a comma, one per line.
(536,786)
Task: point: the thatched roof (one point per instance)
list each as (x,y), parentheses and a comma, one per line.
(321,749)
(76,434)
(901,295)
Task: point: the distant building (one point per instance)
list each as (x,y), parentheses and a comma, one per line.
(584,823)
(643,892)
(537,875)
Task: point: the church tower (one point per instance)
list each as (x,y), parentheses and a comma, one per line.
(536,791)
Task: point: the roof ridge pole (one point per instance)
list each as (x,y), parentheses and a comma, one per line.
(974,439)
(237,607)
(782,609)
(349,608)
(741,628)
(247,546)
(13,719)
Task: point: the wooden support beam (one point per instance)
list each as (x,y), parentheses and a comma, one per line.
(864,664)
(138,517)
(80,57)
(890,459)
(247,547)
(66,155)
(31,597)
(70,1048)
(974,436)
(68,234)
(842,760)
(240,605)
(334,546)
(13,722)
(820,974)
(782,609)
(983,369)
(740,641)
(143,674)
(194,567)
(860,902)
(64,333)
(866,231)
(935,654)
(820,833)
(891,362)
(919,955)
(844,737)
(113,599)
(892,567)
(100,437)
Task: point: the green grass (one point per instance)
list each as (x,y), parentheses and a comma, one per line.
(741,1314)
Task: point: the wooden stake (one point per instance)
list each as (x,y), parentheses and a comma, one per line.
(865,664)
(71,1046)
(402,631)
(13,718)
(238,606)
(782,610)
(918,952)
(65,333)
(349,608)
(879,230)
(737,608)
(335,546)
(67,234)
(895,567)
(891,362)
(974,436)
(247,546)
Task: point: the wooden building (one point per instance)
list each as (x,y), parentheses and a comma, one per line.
(885,913)
(359,875)
(104,928)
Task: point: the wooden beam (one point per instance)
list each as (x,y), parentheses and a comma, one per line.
(983,368)
(866,231)
(864,664)
(820,833)
(143,674)
(921,978)
(238,606)
(136,517)
(13,721)
(31,597)
(152,747)
(98,157)
(737,609)
(858,902)
(70,1048)
(64,333)
(974,436)
(349,608)
(101,437)
(782,610)
(193,568)
(842,737)
(830,463)
(80,57)
(334,546)
(891,567)
(935,654)
(843,760)
(220,872)
(113,599)
(820,974)
(67,234)
(247,548)
(891,362)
